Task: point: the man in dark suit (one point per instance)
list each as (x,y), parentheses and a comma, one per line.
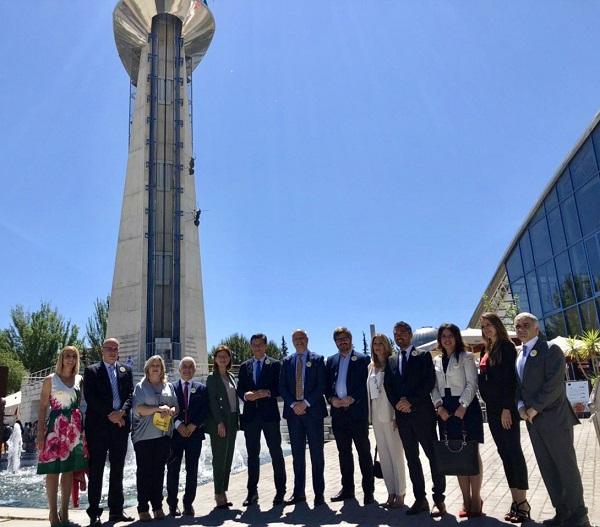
(542,402)
(302,385)
(346,391)
(187,437)
(258,386)
(108,388)
(408,381)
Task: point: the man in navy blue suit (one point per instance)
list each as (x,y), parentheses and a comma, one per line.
(302,385)
(258,386)
(187,437)
(346,391)
(408,381)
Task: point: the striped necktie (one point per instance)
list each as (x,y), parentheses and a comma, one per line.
(299,384)
(112,375)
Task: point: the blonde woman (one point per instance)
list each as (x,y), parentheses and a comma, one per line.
(154,405)
(383,419)
(60,438)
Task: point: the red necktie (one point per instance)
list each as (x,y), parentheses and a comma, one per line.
(185,400)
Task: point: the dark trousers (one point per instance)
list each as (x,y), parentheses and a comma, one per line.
(508,443)
(272,434)
(222,452)
(151,458)
(111,440)
(347,430)
(555,455)
(191,447)
(415,432)
(303,428)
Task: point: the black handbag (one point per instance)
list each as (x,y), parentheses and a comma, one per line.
(377,472)
(457,457)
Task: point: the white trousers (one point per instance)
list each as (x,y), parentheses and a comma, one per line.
(391,455)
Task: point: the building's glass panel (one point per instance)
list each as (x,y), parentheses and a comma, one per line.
(514,266)
(555,326)
(533,293)
(540,241)
(519,293)
(549,290)
(526,253)
(588,200)
(583,166)
(551,200)
(563,187)
(573,322)
(596,138)
(539,213)
(570,220)
(589,316)
(557,233)
(593,251)
(581,276)
(565,279)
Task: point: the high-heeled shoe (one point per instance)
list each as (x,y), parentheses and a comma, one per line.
(511,513)
(522,512)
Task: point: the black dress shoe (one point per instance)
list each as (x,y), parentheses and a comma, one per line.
(418,507)
(189,511)
(556,521)
(343,495)
(293,500)
(95,522)
(278,499)
(319,500)
(368,499)
(251,499)
(120,517)
(174,511)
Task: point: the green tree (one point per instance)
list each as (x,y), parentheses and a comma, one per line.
(95,329)
(240,348)
(35,338)
(365,345)
(16,370)
(284,347)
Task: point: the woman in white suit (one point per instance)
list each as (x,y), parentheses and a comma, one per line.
(383,419)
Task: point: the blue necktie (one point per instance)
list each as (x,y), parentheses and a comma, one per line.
(404,361)
(522,361)
(112,374)
(257,371)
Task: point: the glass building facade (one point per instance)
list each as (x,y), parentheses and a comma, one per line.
(553,266)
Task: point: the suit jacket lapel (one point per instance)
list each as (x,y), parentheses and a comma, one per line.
(529,358)
(251,372)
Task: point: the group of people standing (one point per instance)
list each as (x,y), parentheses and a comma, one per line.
(406,396)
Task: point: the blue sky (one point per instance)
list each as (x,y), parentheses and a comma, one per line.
(357,162)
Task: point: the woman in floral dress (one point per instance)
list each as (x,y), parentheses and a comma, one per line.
(60,439)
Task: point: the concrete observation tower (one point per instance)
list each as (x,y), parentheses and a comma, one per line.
(156,303)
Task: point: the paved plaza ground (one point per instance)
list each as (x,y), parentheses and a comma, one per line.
(495,494)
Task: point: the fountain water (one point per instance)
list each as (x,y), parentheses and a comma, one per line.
(15,449)
(26,488)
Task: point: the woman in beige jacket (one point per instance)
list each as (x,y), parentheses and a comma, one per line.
(383,419)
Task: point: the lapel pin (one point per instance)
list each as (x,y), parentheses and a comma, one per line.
(193,390)
(267,362)
(308,364)
(122,369)
(533,353)
(354,357)
(414,353)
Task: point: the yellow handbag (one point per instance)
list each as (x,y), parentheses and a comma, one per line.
(160,422)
